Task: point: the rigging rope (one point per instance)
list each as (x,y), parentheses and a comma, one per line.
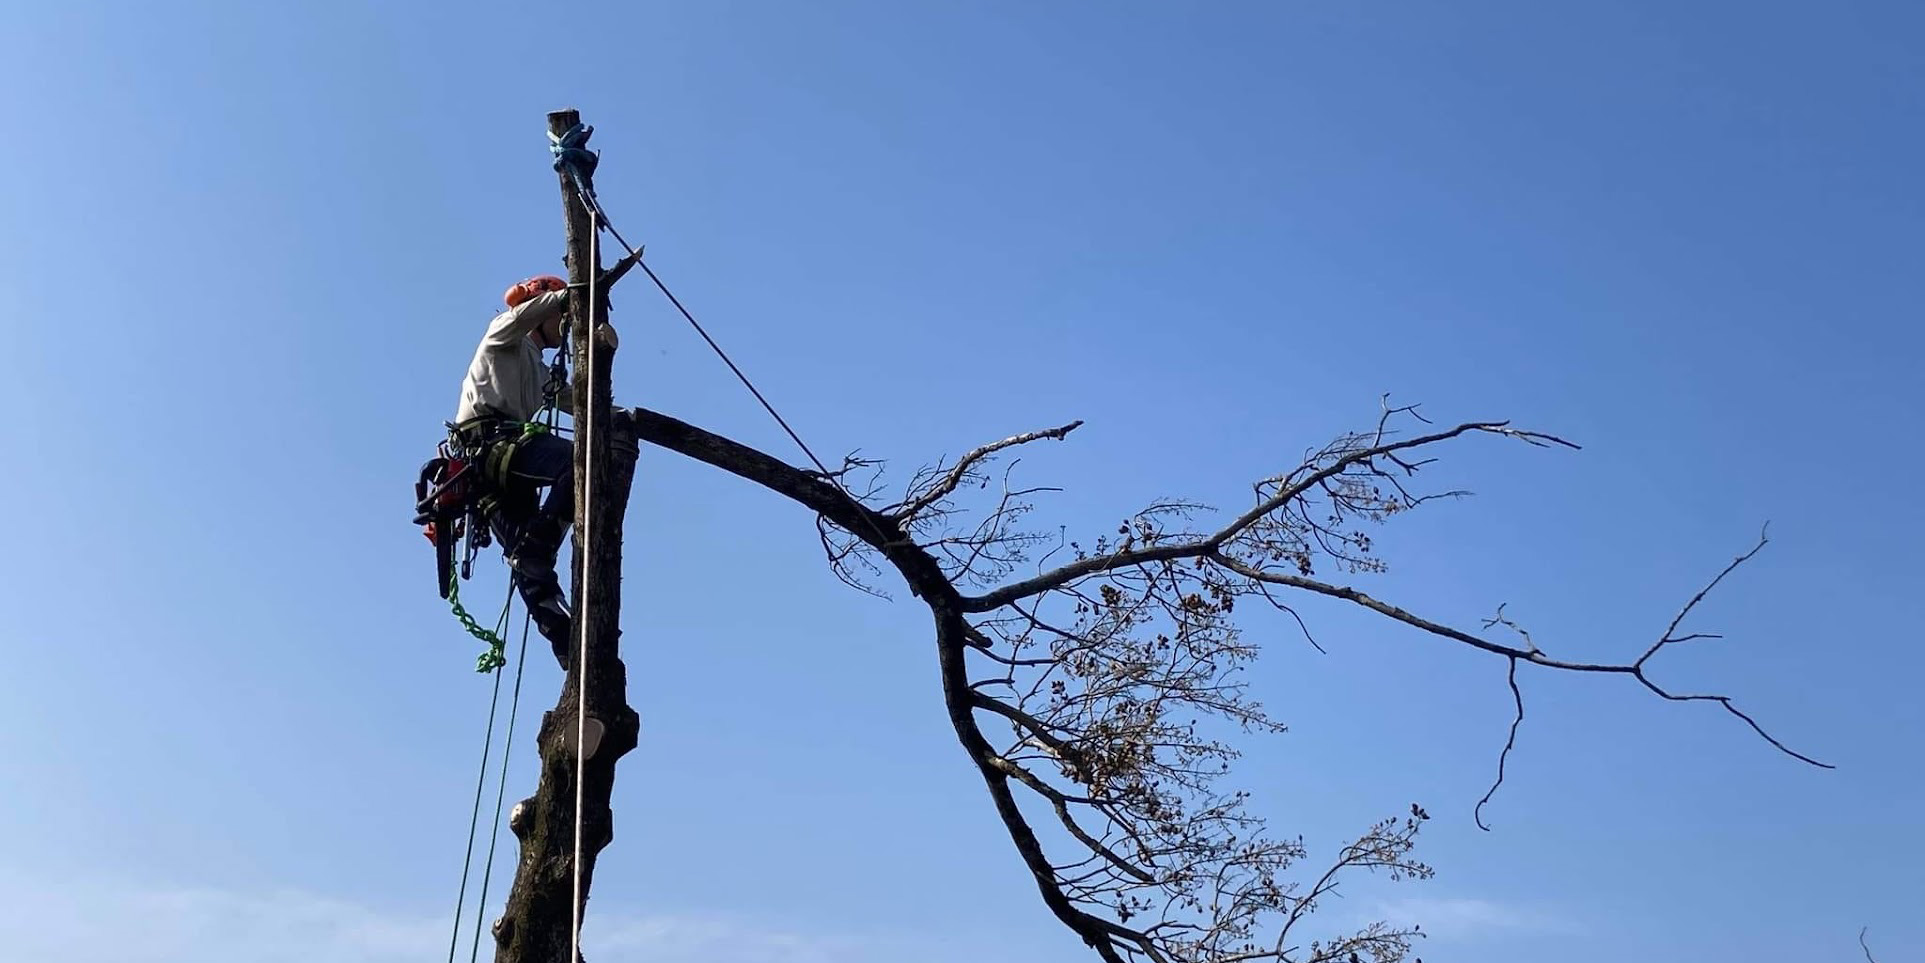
(578,163)
(595,208)
(481,778)
(587,534)
(501,785)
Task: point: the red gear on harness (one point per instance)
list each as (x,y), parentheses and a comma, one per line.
(446,509)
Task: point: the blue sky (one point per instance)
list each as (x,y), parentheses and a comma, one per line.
(250,249)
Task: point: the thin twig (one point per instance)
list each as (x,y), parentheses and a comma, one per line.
(1210,545)
(1510,742)
(956,475)
(1764,538)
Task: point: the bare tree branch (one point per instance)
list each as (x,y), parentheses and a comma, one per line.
(947,485)
(1121,673)
(1288,493)
(1531,655)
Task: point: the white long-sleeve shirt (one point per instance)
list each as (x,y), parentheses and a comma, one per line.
(507,374)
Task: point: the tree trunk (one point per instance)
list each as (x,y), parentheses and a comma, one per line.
(537,925)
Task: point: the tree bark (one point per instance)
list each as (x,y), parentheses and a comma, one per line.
(537,925)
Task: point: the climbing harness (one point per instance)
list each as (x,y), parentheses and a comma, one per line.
(456,495)
(460,490)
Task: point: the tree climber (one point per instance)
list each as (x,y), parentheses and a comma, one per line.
(506,387)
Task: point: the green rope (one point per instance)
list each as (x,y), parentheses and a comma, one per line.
(497,654)
(474,819)
(501,786)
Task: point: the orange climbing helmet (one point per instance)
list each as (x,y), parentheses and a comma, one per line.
(521,292)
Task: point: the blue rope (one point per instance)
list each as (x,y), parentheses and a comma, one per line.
(573,158)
